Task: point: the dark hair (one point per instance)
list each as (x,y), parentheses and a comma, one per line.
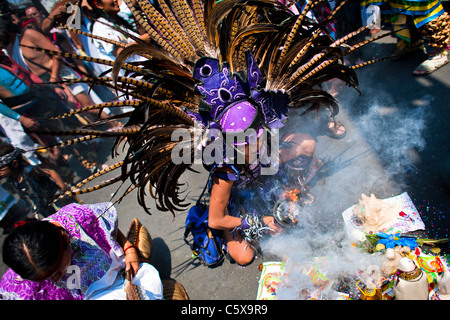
(97,13)
(32,249)
(5,148)
(7,29)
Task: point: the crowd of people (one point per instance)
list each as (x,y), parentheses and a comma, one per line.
(35,86)
(32,87)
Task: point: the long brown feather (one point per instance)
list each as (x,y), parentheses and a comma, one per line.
(157,37)
(163,26)
(99,186)
(199,14)
(124,66)
(317,34)
(187,19)
(290,37)
(126,103)
(90,178)
(187,49)
(93,36)
(366,63)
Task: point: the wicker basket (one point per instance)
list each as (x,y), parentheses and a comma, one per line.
(173,290)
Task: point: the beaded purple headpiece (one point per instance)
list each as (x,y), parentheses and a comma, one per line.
(232,104)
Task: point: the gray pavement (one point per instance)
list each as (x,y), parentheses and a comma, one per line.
(397,141)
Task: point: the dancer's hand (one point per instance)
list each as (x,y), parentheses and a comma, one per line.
(272,224)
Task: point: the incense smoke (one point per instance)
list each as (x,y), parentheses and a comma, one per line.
(384,145)
(395,132)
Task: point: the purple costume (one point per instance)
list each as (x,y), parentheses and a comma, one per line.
(236,103)
(258,196)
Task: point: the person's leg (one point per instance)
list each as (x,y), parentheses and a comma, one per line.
(238,249)
(86,101)
(436,38)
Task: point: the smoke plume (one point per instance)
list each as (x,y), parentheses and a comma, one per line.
(383,142)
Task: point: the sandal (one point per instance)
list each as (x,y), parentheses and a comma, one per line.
(431,64)
(333,128)
(139,236)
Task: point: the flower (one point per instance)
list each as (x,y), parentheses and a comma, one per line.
(393,240)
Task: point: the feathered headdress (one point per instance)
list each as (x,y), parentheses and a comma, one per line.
(230,64)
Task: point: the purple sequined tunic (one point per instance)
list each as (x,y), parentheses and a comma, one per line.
(93,244)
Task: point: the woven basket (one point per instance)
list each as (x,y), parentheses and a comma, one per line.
(139,236)
(173,290)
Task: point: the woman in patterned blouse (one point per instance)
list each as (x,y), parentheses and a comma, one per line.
(76,254)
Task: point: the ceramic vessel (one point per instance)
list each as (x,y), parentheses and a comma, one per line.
(411,282)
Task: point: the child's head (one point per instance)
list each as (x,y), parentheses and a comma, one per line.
(11,160)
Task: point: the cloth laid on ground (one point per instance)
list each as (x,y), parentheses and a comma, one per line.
(358,273)
(311,280)
(271,274)
(303,280)
(407,220)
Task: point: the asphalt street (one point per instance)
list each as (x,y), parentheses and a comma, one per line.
(397,141)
